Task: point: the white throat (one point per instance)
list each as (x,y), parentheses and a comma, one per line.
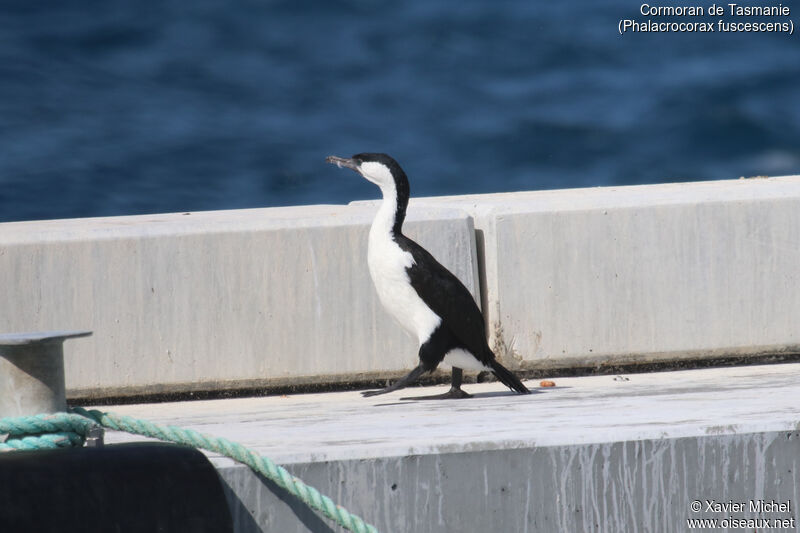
(384,219)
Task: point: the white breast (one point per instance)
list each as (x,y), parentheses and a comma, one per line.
(387,266)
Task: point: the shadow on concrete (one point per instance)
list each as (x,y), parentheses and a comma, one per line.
(310,519)
(279,511)
(476,396)
(243,521)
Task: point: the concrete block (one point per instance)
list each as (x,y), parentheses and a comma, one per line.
(504,462)
(639,274)
(216,300)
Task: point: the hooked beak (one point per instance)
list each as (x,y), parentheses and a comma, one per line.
(343,162)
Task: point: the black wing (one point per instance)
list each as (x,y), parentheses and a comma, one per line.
(444,293)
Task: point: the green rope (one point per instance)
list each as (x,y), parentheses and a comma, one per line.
(65,429)
(58,430)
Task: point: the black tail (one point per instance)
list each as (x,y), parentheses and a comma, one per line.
(507,378)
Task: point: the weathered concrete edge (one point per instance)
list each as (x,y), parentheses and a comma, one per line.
(645,485)
(527,370)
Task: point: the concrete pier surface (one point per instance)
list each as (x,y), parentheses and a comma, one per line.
(599,453)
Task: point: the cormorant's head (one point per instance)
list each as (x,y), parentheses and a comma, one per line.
(380,169)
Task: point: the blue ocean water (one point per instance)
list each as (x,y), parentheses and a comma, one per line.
(124,107)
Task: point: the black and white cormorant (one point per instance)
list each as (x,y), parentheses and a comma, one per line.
(421,294)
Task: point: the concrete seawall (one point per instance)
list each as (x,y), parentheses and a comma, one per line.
(267,297)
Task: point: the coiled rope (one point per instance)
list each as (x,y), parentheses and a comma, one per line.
(71,429)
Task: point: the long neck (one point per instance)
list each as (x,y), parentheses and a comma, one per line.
(392,212)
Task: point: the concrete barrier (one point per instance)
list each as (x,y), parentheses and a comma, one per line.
(216,300)
(271,297)
(639,274)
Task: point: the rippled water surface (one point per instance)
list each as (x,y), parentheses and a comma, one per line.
(126,107)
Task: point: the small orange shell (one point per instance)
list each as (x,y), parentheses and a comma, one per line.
(547,383)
